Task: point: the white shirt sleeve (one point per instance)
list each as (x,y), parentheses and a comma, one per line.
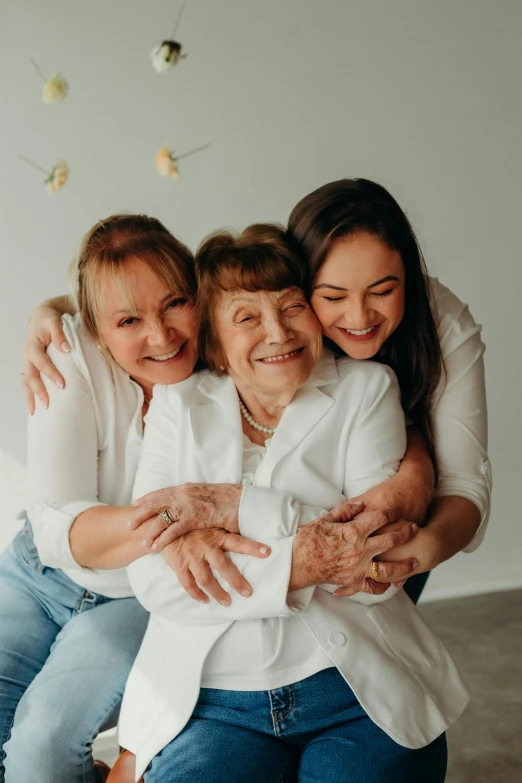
(460,412)
(62,462)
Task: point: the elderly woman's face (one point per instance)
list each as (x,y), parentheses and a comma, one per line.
(271,340)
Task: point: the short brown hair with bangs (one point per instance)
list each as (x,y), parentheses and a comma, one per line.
(112,242)
(262,258)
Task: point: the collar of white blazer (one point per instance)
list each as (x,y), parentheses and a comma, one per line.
(216,421)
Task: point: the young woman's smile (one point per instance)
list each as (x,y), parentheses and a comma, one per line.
(358,294)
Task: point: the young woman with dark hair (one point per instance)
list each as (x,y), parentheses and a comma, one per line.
(369,287)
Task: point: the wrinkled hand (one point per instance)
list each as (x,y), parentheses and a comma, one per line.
(45,327)
(339,548)
(192,507)
(194,555)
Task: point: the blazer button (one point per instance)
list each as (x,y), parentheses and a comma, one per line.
(337,639)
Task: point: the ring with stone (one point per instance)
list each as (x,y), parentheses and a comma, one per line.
(374,573)
(165,515)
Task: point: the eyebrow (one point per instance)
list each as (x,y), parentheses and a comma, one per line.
(130,310)
(388,279)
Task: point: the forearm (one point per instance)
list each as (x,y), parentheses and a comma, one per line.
(100,538)
(410,491)
(62,304)
(451,523)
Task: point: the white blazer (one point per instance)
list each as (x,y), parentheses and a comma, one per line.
(343,433)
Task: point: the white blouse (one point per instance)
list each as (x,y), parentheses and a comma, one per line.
(82,452)
(259,655)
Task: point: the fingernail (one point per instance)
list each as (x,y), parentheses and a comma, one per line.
(59,384)
(43,403)
(246,593)
(66,348)
(358,503)
(263,550)
(154,546)
(145,543)
(414,563)
(203,600)
(224,602)
(414,527)
(135,503)
(400,584)
(129,523)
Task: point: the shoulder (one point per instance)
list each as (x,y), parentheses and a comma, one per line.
(364,375)
(452,316)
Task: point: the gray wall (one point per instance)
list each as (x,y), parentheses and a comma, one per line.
(421,95)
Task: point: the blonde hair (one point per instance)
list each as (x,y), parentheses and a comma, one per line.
(112,242)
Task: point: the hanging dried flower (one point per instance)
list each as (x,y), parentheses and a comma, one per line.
(58,176)
(164,56)
(55,88)
(167,163)
(168,52)
(55,178)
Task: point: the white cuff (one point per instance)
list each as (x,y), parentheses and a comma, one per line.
(51,527)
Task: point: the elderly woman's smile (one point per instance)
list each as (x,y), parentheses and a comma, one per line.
(271,340)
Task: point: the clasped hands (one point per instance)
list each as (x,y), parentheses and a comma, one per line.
(337,548)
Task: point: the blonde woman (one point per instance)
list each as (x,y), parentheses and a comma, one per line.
(69,629)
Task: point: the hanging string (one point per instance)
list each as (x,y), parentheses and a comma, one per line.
(38,71)
(177,22)
(32,163)
(192,152)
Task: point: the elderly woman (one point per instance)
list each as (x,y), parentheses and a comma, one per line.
(291,679)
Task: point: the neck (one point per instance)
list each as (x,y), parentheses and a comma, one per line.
(266,409)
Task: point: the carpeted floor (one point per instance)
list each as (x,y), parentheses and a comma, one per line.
(484,636)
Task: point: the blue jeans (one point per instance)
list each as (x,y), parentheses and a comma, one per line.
(65,654)
(314,731)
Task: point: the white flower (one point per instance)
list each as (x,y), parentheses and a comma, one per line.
(165,55)
(58,177)
(55,89)
(166,163)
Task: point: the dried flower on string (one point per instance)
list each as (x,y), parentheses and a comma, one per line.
(164,56)
(167,163)
(168,52)
(58,176)
(55,178)
(55,88)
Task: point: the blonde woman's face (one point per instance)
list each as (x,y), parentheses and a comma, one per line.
(149,330)
(358,294)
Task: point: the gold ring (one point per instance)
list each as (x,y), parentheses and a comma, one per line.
(374,573)
(165,515)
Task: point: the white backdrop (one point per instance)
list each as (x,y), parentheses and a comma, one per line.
(420,95)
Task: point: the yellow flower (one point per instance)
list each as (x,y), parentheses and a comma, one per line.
(58,177)
(166,163)
(55,89)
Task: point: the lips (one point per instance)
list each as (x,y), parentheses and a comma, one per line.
(359,335)
(165,357)
(281,357)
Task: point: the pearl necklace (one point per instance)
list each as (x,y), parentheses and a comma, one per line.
(253,423)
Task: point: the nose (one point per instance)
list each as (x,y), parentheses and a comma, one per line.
(357,314)
(159,332)
(277,329)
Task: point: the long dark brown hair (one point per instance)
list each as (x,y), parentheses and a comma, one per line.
(356,206)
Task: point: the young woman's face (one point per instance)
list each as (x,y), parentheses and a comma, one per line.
(157,341)
(358,294)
